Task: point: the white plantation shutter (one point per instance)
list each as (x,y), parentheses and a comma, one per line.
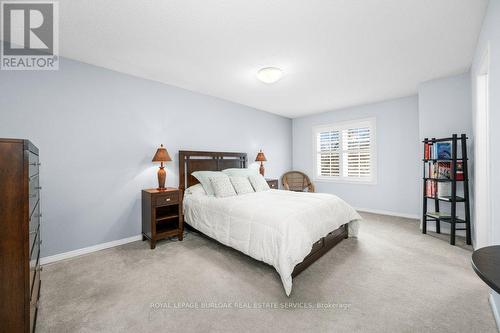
(345,151)
(356,152)
(328,159)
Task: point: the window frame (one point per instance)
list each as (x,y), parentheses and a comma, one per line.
(339,126)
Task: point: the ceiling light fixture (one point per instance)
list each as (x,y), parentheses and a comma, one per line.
(269,74)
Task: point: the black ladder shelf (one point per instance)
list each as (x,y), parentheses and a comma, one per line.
(453,199)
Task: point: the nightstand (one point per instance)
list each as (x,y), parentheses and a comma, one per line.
(161,214)
(273,183)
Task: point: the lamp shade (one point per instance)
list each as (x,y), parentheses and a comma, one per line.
(260,157)
(161,155)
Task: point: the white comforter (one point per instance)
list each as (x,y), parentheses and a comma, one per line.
(276,227)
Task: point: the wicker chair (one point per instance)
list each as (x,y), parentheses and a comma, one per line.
(297,181)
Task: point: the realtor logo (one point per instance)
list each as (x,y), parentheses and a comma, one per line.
(30,38)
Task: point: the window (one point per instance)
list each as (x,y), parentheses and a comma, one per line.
(346,151)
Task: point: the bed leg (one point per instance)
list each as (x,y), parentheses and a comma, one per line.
(346,231)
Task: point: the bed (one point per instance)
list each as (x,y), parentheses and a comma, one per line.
(285,229)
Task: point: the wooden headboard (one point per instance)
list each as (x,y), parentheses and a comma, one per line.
(191,161)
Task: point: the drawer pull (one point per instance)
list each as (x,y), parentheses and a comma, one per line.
(32,196)
(38,188)
(167,199)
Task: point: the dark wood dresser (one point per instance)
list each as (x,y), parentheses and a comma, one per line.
(20,235)
(273,183)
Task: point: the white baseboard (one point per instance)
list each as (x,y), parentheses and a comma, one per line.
(90,249)
(494,309)
(386,212)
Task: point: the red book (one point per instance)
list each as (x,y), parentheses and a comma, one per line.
(431,189)
(427,154)
(460,171)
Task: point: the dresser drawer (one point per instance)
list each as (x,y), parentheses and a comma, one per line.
(35,248)
(35,296)
(35,288)
(34,267)
(317,246)
(33,193)
(32,238)
(335,234)
(33,164)
(166,199)
(273,183)
(33,315)
(35,218)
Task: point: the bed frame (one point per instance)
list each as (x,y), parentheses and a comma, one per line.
(191,161)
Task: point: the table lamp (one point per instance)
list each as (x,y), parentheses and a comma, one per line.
(161,156)
(261,158)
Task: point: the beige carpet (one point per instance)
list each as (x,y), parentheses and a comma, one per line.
(391,279)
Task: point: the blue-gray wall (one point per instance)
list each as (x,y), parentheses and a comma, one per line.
(97,131)
(398,183)
(445,106)
(490,35)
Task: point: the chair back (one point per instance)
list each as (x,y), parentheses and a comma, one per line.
(297,181)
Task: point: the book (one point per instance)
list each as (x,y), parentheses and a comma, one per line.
(427,151)
(430,189)
(444,170)
(460,171)
(432,171)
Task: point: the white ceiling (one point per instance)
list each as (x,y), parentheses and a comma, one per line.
(335,53)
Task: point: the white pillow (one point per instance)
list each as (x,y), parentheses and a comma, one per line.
(241,185)
(203,178)
(240,172)
(222,187)
(195,190)
(259,183)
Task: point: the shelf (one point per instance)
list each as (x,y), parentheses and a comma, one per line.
(444,180)
(167,217)
(459,138)
(444,218)
(167,226)
(167,233)
(455,168)
(441,159)
(447,199)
